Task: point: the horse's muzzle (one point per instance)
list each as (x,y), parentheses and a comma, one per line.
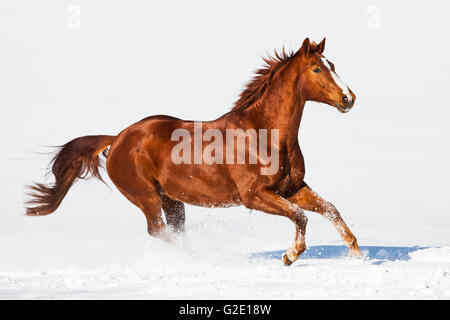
(343,108)
(346,103)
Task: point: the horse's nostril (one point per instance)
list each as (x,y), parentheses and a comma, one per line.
(345,99)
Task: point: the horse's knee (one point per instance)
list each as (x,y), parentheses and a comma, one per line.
(301,218)
(331,213)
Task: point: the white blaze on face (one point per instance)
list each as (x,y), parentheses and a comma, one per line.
(337,80)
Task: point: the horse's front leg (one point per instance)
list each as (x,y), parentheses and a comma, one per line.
(270,202)
(308,200)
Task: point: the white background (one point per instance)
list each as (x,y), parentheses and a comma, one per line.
(385,165)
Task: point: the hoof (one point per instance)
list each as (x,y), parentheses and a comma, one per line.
(286,260)
(356,253)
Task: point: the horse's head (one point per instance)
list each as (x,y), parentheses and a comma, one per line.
(319,81)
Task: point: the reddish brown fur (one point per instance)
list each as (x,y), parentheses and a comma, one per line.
(140,166)
(255,89)
(76,159)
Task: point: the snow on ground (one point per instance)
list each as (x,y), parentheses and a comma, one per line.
(195,277)
(225,253)
(217,261)
(385,165)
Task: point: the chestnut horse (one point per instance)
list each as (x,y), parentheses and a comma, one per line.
(139,160)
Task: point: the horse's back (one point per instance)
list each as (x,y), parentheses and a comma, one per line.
(145,149)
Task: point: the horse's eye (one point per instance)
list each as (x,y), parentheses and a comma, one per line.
(317,70)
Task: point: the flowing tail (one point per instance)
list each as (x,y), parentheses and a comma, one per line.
(76,159)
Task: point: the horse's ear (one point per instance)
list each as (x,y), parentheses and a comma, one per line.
(321,46)
(306,46)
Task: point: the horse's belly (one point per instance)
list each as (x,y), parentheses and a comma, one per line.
(209,188)
(214,197)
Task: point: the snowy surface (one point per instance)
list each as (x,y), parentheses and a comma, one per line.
(385,165)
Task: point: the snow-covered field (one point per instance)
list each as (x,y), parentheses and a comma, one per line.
(385,165)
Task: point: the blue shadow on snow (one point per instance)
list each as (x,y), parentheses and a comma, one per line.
(379,253)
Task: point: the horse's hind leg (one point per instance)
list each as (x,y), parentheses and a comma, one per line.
(150,204)
(143,193)
(174,211)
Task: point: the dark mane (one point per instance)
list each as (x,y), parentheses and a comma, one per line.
(256,88)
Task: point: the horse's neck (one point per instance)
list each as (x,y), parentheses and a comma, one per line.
(282,107)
